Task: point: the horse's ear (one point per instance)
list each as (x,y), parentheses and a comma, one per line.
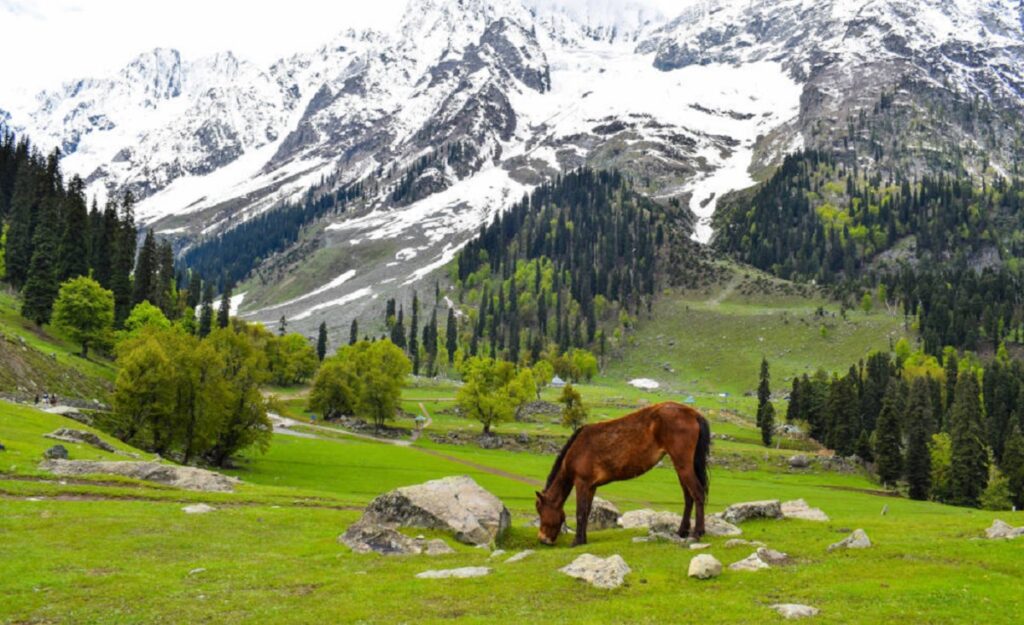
(540,495)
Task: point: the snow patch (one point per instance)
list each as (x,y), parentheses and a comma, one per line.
(646,384)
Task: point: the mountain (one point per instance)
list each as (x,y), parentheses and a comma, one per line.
(393,148)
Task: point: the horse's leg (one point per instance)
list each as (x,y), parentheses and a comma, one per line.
(693,493)
(684,527)
(584,499)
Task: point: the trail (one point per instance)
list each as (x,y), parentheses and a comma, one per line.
(726,292)
(283,425)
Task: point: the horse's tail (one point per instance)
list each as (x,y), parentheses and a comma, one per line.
(700,460)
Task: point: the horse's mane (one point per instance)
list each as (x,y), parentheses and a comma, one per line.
(561,456)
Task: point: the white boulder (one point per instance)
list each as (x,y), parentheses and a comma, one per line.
(604,573)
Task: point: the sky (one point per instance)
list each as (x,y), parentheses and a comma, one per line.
(51,41)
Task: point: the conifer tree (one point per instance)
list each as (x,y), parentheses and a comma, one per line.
(143,285)
(206,310)
(321,341)
(888,453)
(451,338)
(952,367)
(1013,466)
(74,243)
(24,206)
(282,326)
(414,349)
(105,241)
(841,416)
(353,332)
(398,330)
(195,289)
(918,465)
(969,465)
(224,312)
(123,248)
(794,409)
(41,287)
(765,410)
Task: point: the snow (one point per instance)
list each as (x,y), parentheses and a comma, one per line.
(341,301)
(333,284)
(233,305)
(646,384)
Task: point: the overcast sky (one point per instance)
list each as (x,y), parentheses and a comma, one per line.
(45,42)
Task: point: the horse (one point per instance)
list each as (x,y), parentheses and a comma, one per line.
(621,449)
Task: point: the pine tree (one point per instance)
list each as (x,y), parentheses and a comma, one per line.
(952,367)
(195,289)
(969,465)
(451,338)
(888,455)
(224,311)
(123,248)
(282,326)
(841,408)
(206,310)
(414,349)
(105,241)
(765,410)
(74,243)
(398,329)
(353,332)
(143,285)
(918,464)
(1013,466)
(41,287)
(321,341)
(794,409)
(167,281)
(24,207)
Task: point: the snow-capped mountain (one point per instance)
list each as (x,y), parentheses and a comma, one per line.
(466,104)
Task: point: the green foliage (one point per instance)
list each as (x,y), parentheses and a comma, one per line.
(492,391)
(1013,467)
(85,312)
(941,452)
(3,250)
(888,453)
(997,493)
(291,358)
(364,378)
(41,286)
(144,315)
(574,413)
(321,341)
(336,388)
(969,455)
(917,464)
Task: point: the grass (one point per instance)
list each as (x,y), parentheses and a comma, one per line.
(125,553)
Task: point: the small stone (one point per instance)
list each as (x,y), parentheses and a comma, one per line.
(649,519)
(794,610)
(437,547)
(606,573)
(714,525)
(772,557)
(857,540)
(497,553)
(522,555)
(460,573)
(57,452)
(699,546)
(799,461)
(740,542)
(196,571)
(750,563)
(798,509)
(704,566)
(198,508)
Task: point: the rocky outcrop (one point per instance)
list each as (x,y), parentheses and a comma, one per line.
(453,504)
(69,435)
(857,540)
(385,539)
(189,478)
(798,509)
(740,512)
(1001,529)
(704,566)
(604,573)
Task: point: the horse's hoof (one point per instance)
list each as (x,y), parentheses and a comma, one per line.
(577,543)
(684,534)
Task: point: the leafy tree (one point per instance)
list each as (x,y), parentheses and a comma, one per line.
(543,373)
(291,359)
(490,393)
(940,450)
(918,461)
(336,388)
(84,311)
(144,394)
(866,303)
(888,453)
(384,368)
(765,410)
(997,493)
(584,365)
(574,413)
(321,341)
(969,456)
(144,315)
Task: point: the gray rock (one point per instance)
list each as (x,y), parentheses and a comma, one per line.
(497,553)
(603,515)
(57,452)
(453,504)
(714,525)
(1001,529)
(384,539)
(704,566)
(522,555)
(799,461)
(739,542)
(198,508)
(69,435)
(649,519)
(798,509)
(460,573)
(189,478)
(604,573)
(794,610)
(753,562)
(740,512)
(857,540)
(435,547)
(699,546)
(773,557)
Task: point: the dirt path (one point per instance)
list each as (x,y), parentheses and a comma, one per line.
(721,296)
(283,425)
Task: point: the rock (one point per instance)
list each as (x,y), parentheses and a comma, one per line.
(603,515)
(599,572)
(522,555)
(454,504)
(649,519)
(662,537)
(1001,529)
(189,478)
(799,461)
(384,539)
(772,557)
(794,610)
(69,435)
(489,441)
(739,542)
(751,563)
(196,571)
(798,509)
(705,566)
(715,526)
(461,573)
(436,547)
(57,452)
(857,540)
(740,512)
(198,508)
(497,553)
(699,546)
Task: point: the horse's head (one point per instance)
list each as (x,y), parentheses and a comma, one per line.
(552,518)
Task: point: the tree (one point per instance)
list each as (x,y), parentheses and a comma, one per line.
(384,368)
(84,310)
(543,373)
(490,393)
(282,326)
(765,410)
(224,311)
(291,359)
(918,460)
(144,315)
(888,455)
(451,337)
(997,492)
(866,303)
(1013,466)
(413,329)
(144,394)
(123,259)
(794,408)
(206,310)
(145,282)
(969,456)
(73,257)
(842,415)
(321,341)
(353,332)
(574,413)
(21,222)
(336,388)
(41,286)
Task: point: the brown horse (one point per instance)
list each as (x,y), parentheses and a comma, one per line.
(622,449)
